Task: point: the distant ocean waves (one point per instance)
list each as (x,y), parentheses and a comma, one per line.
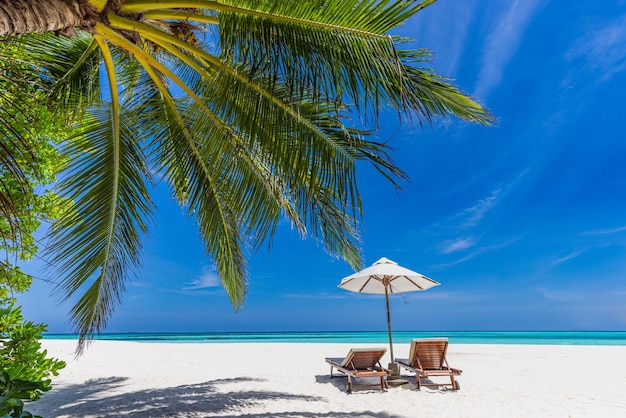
(399,337)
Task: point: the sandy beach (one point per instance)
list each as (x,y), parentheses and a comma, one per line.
(133,379)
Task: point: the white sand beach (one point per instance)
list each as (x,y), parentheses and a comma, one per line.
(131,379)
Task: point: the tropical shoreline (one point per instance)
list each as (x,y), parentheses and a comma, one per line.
(121,378)
(371,337)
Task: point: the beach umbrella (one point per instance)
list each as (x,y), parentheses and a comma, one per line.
(386,277)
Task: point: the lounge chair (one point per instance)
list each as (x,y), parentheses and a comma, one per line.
(360,362)
(427,358)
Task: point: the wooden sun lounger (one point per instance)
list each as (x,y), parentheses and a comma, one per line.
(427,358)
(359,363)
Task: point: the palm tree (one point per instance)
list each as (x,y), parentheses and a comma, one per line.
(250,110)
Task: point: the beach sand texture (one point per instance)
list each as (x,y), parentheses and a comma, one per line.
(130,379)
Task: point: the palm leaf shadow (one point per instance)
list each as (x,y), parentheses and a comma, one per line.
(198,400)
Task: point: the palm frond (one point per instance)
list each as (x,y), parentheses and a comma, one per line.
(196,178)
(106,180)
(340,49)
(69,66)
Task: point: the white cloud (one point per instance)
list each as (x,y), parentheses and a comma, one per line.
(448,46)
(469,218)
(207,279)
(603,48)
(457,245)
(501,44)
(437,294)
(478,251)
(607,231)
(473,215)
(561,295)
(459,260)
(464,225)
(568,257)
(464,221)
(321,295)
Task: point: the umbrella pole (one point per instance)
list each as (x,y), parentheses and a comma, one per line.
(389,324)
(395,370)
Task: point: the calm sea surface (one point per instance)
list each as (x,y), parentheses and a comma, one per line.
(458,337)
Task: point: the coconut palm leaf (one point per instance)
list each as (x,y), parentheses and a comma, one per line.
(101,235)
(70,65)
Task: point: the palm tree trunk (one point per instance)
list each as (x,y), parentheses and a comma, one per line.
(38,16)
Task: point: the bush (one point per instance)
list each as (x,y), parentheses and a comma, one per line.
(12,393)
(25,369)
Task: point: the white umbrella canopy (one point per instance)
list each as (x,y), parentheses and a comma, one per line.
(386,277)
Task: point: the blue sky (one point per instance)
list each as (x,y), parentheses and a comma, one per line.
(523,223)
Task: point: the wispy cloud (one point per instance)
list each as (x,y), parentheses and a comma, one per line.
(568,257)
(207,279)
(501,44)
(607,231)
(478,251)
(561,295)
(321,295)
(450,297)
(473,215)
(448,46)
(470,217)
(464,221)
(603,48)
(457,245)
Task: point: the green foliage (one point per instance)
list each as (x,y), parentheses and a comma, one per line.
(12,394)
(25,369)
(32,144)
(21,355)
(29,133)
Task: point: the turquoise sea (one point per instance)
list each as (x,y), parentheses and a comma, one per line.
(399,337)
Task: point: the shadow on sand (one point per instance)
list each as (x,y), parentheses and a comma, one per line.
(340,381)
(198,400)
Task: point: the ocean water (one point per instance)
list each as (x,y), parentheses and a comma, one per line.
(399,337)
